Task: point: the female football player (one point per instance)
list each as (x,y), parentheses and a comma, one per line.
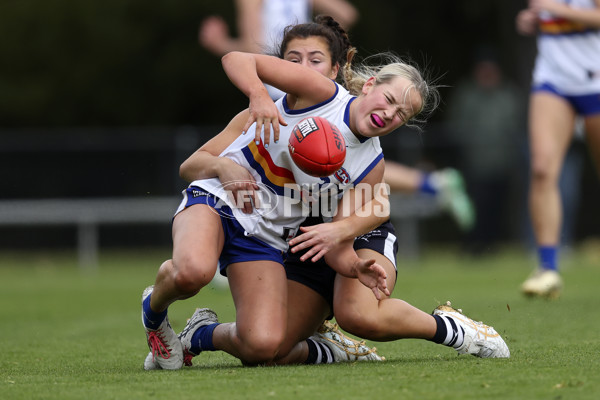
(256,240)
(315,290)
(566,84)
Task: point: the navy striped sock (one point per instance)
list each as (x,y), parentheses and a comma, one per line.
(448,332)
(318,353)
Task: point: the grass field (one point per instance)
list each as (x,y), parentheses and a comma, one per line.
(73,334)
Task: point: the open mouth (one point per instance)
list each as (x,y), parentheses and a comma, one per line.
(377,121)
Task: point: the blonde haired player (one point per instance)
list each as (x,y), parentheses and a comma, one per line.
(260,26)
(323,46)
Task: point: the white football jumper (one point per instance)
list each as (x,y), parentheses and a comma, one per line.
(278,14)
(280,212)
(568,53)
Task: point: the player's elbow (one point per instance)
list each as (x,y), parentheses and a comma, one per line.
(185,171)
(229,57)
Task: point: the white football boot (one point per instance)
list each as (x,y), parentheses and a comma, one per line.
(479,339)
(543,283)
(344,348)
(201,317)
(165,347)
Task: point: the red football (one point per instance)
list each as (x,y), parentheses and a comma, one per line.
(317,146)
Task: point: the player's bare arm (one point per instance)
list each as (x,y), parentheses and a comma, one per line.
(342,11)
(360,198)
(344,260)
(214,34)
(527,22)
(205,163)
(587,17)
(249,25)
(248,72)
(196,167)
(366,215)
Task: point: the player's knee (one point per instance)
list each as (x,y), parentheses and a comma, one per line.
(364,325)
(260,347)
(190,275)
(542,172)
(538,174)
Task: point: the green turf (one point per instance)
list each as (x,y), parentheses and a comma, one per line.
(73,334)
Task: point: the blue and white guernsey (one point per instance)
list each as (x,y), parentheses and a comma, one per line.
(283,187)
(568,53)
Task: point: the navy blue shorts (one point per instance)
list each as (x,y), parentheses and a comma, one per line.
(584,105)
(238,247)
(320,277)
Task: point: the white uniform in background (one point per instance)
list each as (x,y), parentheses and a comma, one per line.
(568,53)
(277,14)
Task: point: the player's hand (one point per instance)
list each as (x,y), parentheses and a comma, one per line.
(266,115)
(526,22)
(373,276)
(319,239)
(213,34)
(239,184)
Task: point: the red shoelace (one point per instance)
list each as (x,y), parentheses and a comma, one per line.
(187,358)
(156,343)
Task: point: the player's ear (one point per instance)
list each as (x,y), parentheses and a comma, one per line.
(334,71)
(368,85)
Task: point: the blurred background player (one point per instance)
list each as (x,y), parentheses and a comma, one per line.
(486,119)
(566,83)
(260,25)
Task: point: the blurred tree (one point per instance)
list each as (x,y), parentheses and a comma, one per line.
(68,62)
